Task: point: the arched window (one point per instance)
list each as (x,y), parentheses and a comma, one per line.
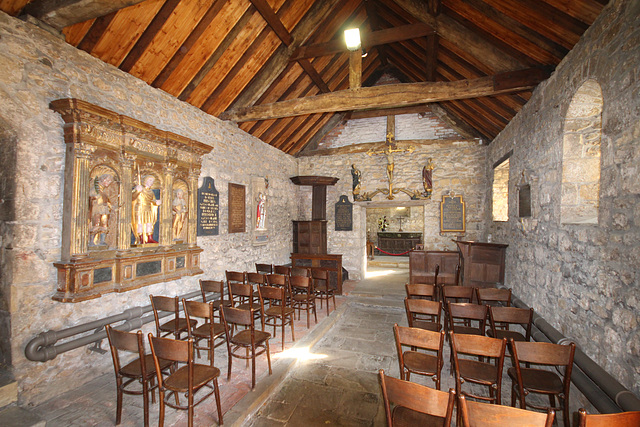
(581,156)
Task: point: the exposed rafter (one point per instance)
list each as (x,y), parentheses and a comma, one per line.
(393,96)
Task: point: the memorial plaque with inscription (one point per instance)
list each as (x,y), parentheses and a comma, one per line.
(344,214)
(236,208)
(208,208)
(452,214)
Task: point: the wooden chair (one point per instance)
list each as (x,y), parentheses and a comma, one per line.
(234,278)
(494,296)
(247,343)
(303,297)
(321,287)
(427,362)
(525,381)
(264,268)
(213,287)
(423,314)
(480,371)
(505,316)
(479,414)
(256,280)
(139,370)
(282,269)
(208,331)
(276,311)
(300,271)
(463,318)
(455,294)
(278,280)
(175,326)
(421,291)
(244,297)
(186,381)
(621,419)
(415,404)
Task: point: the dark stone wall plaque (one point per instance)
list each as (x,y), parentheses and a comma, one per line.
(236,208)
(208,208)
(452,214)
(344,214)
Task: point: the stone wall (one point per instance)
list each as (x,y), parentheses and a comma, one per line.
(584,279)
(38,68)
(459,167)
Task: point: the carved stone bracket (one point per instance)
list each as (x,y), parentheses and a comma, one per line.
(125,183)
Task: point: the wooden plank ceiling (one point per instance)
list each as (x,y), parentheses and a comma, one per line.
(240,59)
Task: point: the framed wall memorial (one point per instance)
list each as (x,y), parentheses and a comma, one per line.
(452,214)
(237,220)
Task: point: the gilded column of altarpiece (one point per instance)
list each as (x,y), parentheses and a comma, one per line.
(130,200)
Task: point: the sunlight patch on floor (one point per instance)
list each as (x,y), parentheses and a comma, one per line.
(300,354)
(378,273)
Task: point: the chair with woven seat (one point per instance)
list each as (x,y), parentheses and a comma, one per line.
(188,380)
(501,317)
(525,381)
(140,370)
(209,330)
(620,419)
(247,343)
(303,297)
(479,414)
(415,404)
(424,356)
(421,291)
(465,349)
(324,292)
(264,268)
(215,287)
(423,314)
(276,311)
(175,326)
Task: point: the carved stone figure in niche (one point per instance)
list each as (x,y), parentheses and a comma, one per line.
(102,195)
(427,177)
(179,207)
(144,211)
(261,211)
(356,176)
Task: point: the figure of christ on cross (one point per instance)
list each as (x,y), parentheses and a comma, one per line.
(388,150)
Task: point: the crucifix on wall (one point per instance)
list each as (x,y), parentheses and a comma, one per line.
(388,148)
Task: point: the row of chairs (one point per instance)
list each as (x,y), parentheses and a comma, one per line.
(425,357)
(415,404)
(322,288)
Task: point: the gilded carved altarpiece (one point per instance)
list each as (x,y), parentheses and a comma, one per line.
(130,197)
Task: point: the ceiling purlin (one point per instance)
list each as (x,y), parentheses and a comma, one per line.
(62,13)
(96,31)
(488,37)
(555,49)
(516,44)
(562,28)
(279,60)
(186,46)
(220,50)
(583,10)
(465,39)
(148,34)
(491,123)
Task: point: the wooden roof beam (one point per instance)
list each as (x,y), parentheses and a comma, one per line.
(369,40)
(62,13)
(273,21)
(393,95)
